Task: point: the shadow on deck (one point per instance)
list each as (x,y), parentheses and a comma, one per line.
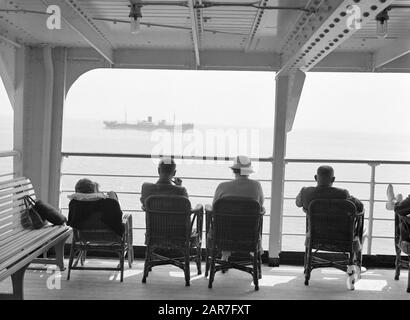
(167,283)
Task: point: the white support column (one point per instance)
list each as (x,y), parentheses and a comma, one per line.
(17,104)
(38,117)
(60,92)
(288,92)
(278,169)
(47,121)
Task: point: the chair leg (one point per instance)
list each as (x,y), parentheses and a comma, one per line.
(132,254)
(122,263)
(146,264)
(255,271)
(352,276)
(130,251)
(212,268)
(59,249)
(83,257)
(129,256)
(187,268)
(207,262)
(70,261)
(398,263)
(305,259)
(408,280)
(259,266)
(308,265)
(199,260)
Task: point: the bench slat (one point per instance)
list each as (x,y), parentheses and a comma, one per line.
(8,219)
(14,204)
(15,190)
(11,232)
(56,230)
(10,223)
(11,212)
(29,258)
(10,226)
(23,242)
(15,182)
(13,236)
(16,196)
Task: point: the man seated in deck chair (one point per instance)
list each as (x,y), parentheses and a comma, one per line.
(325,190)
(167,184)
(88,200)
(242,186)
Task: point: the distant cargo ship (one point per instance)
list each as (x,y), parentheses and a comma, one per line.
(148,125)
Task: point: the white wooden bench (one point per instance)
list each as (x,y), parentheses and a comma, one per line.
(19,246)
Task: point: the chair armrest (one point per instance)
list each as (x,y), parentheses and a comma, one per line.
(127,222)
(360,214)
(198,213)
(359,227)
(126,218)
(208,212)
(263,211)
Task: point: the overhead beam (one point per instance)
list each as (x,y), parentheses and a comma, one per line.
(185,59)
(255,25)
(343,61)
(84,26)
(391,52)
(315,35)
(195,32)
(10,42)
(400,65)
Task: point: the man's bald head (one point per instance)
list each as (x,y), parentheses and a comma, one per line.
(325,176)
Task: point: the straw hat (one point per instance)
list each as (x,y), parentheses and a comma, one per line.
(244,164)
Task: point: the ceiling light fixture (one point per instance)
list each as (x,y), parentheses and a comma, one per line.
(135,17)
(382,26)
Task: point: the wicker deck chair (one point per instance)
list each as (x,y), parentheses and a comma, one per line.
(234,224)
(401,245)
(334,226)
(171,225)
(97,237)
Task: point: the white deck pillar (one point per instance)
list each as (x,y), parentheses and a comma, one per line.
(16,100)
(38,117)
(288,91)
(278,169)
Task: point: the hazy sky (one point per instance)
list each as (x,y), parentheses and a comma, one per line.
(330,101)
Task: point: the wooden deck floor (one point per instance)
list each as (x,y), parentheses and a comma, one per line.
(167,283)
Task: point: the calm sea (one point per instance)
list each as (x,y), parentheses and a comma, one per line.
(91,136)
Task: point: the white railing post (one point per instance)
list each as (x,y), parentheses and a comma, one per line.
(371,206)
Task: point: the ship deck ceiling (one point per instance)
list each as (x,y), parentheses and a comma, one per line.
(285,282)
(164,27)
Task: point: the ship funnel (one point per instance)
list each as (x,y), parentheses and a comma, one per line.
(149,119)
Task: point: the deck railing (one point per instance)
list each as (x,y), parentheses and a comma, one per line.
(8,172)
(371,183)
